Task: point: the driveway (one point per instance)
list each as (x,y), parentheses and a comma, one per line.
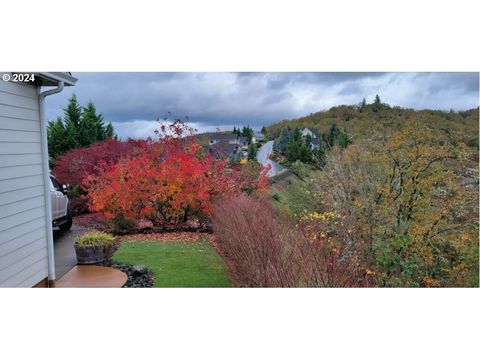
(263,158)
(65,257)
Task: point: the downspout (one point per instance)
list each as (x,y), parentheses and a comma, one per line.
(46,180)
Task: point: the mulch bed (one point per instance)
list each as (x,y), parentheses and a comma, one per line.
(139,276)
(98,222)
(92,220)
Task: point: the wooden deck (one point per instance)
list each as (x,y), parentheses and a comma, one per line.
(92,276)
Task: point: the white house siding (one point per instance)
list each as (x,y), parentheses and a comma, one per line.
(23,234)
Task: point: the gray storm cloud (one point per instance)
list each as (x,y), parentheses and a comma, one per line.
(211,100)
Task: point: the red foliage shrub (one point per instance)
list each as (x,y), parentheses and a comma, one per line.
(171,181)
(265,249)
(73,166)
(255,242)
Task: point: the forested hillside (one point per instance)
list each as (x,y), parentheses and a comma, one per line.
(359,120)
(400,202)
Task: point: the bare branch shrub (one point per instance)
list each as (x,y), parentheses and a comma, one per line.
(265,249)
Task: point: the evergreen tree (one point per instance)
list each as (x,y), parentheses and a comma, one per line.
(73,112)
(308,140)
(87,131)
(305,153)
(248,133)
(252,152)
(297,135)
(320,156)
(72,118)
(281,142)
(298,149)
(57,138)
(293,150)
(80,127)
(109,132)
(343,140)
(264,131)
(71,133)
(92,128)
(377,104)
(333,134)
(363,105)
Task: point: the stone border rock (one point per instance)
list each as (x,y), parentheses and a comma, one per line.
(139,276)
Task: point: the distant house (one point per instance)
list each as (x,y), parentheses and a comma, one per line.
(314,134)
(243,141)
(220,138)
(225,150)
(229,146)
(259,136)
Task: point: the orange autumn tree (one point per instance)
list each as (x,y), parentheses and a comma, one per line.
(167,184)
(404,207)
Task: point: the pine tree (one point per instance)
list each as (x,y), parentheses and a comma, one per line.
(248,133)
(72,118)
(57,138)
(297,135)
(308,140)
(293,150)
(333,134)
(252,153)
(73,112)
(320,156)
(92,127)
(109,132)
(305,153)
(377,104)
(298,149)
(87,130)
(343,140)
(281,142)
(80,127)
(71,133)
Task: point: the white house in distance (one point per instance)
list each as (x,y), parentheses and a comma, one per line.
(26,241)
(314,135)
(258,136)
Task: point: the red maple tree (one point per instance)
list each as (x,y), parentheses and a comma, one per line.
(76,164)
(171,181)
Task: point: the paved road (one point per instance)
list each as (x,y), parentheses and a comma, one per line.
(262,157)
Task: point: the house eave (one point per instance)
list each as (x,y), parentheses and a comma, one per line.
(53,78)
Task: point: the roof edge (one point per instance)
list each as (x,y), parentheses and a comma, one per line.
(67,78)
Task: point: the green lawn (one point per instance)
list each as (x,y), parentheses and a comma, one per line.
(177,264)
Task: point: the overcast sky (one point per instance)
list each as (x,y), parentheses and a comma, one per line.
(132,101)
